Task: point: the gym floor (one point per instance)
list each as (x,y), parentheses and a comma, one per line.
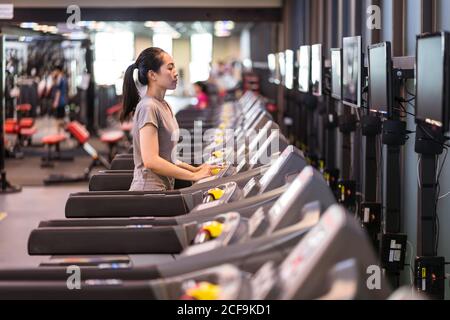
(23,212)
(20,213)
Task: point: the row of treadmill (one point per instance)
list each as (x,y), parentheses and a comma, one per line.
(265,226)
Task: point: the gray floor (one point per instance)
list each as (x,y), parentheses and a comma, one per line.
(25,210)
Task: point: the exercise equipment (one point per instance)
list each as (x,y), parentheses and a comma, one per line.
(179,202)
(148,237)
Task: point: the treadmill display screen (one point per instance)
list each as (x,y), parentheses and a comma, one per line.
(271,144)
(304,69)
(271,61)
(274,169)
(336,73)
(262,133)
(289,79)
(291,194)
(316,69)
(379,78)
(430,80)
(351,70)
(303,259)
(277,79)
(282,64)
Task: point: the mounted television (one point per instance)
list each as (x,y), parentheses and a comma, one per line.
(380,78)
(336,73)
(433,79)
(352,71)
(304,68)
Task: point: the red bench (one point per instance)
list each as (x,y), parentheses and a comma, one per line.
(24,130)
(53,140)
(112,138)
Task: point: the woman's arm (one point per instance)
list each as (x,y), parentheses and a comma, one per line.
(188,167)
(152,160)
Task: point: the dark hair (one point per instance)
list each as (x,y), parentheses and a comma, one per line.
(58,67)
(202,86)
(149,59)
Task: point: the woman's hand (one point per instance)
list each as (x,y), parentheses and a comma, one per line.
(211,167)
(204,171)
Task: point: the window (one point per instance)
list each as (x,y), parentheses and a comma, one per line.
(201,56)
(163,41)
(113,54)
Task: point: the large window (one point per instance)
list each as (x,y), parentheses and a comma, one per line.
(113,54)
(163,41)
(201,56)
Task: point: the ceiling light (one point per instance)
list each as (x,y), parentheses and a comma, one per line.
(29,25)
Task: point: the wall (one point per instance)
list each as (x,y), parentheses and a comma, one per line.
(401,22)
(226,49)
(182,56)
(141,43)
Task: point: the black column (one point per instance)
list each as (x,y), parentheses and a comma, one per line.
(5,186)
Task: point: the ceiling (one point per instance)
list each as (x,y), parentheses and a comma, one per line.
(145,29)
(149,4)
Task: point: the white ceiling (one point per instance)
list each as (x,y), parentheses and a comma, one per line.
(150,3)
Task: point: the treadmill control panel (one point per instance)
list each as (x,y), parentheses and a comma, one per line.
(261,156)
(305,257)
(275,168)
(288,198)
(229,223)
(240,166)
(263,281)
(230,193)
(220,283)
(259,138)
(251,188)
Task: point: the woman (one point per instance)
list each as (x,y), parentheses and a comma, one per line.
(201,92)
(155,130)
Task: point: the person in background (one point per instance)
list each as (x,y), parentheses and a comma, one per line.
(60,93)
(201,92)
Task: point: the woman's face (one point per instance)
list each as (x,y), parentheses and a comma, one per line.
(167,77)
(197,89)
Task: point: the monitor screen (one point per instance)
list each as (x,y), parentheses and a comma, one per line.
(380,68)
(430,80)
(289,78)
(316,69)
(282,63)
(336,73)
(351,71)
(272,67)
(277,79)
(304,68)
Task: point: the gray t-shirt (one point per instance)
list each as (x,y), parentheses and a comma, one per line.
(159,114)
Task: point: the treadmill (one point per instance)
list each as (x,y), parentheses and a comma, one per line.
(273,182)
(168,203)
(115,236)
(268,239)
(330,262)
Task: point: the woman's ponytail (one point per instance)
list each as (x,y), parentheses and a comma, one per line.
(130,94)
